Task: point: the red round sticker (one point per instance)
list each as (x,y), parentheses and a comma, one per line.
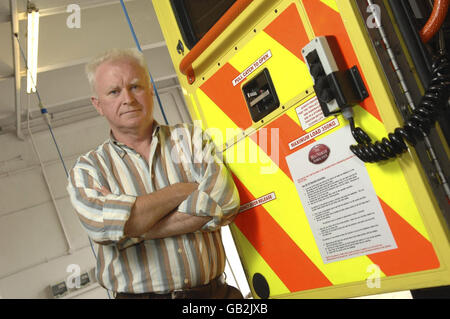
(319,154)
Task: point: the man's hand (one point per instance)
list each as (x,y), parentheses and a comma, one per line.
(151,208)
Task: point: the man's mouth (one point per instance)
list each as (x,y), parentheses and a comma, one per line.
(131,111)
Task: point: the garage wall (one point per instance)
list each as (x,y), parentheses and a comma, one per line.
(41,239)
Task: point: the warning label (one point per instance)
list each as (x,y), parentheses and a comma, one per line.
(255,65)
(314,133)
(257,202)
(309,113)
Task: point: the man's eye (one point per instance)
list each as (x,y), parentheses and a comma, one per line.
(112,92)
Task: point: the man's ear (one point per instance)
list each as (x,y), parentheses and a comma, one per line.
(95,103)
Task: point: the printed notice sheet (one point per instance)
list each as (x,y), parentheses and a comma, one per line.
(337,195)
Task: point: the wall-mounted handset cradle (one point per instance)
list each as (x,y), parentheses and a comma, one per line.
(337,87)
(260,95)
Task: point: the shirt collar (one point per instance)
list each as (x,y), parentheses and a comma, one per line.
(120,147)
(156,128)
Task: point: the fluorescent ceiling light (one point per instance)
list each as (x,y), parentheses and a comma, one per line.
(32,56)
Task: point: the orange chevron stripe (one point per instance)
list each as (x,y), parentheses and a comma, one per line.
(288,30)
(414,252)
(281,254)
(326,21)
(229,98)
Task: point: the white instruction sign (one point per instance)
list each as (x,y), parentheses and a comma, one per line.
(338,197)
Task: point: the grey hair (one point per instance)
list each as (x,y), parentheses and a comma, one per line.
(111,56)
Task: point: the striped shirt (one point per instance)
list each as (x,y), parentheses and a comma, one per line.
(180,153)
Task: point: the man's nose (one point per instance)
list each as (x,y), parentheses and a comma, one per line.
(128,96)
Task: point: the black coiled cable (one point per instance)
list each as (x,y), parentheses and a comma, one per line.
(416,127)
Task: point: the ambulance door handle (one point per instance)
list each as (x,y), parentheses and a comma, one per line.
(186,64)
(259,98)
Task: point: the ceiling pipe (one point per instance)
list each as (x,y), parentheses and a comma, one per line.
(16,57)
(63,9)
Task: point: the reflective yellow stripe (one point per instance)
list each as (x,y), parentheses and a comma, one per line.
(331,3)
(305,21)
(289,74)
(218,121)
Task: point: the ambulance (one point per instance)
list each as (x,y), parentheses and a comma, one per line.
(332,116)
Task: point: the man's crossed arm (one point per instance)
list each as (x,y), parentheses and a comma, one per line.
(164,220)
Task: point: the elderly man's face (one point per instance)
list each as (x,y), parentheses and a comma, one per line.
(124,96)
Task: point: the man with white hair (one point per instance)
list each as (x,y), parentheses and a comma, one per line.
(153,197)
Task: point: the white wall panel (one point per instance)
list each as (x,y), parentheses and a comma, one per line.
(34,282)
(72,139)
(15,154)
(29,237)
(75,232)
(22,190)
